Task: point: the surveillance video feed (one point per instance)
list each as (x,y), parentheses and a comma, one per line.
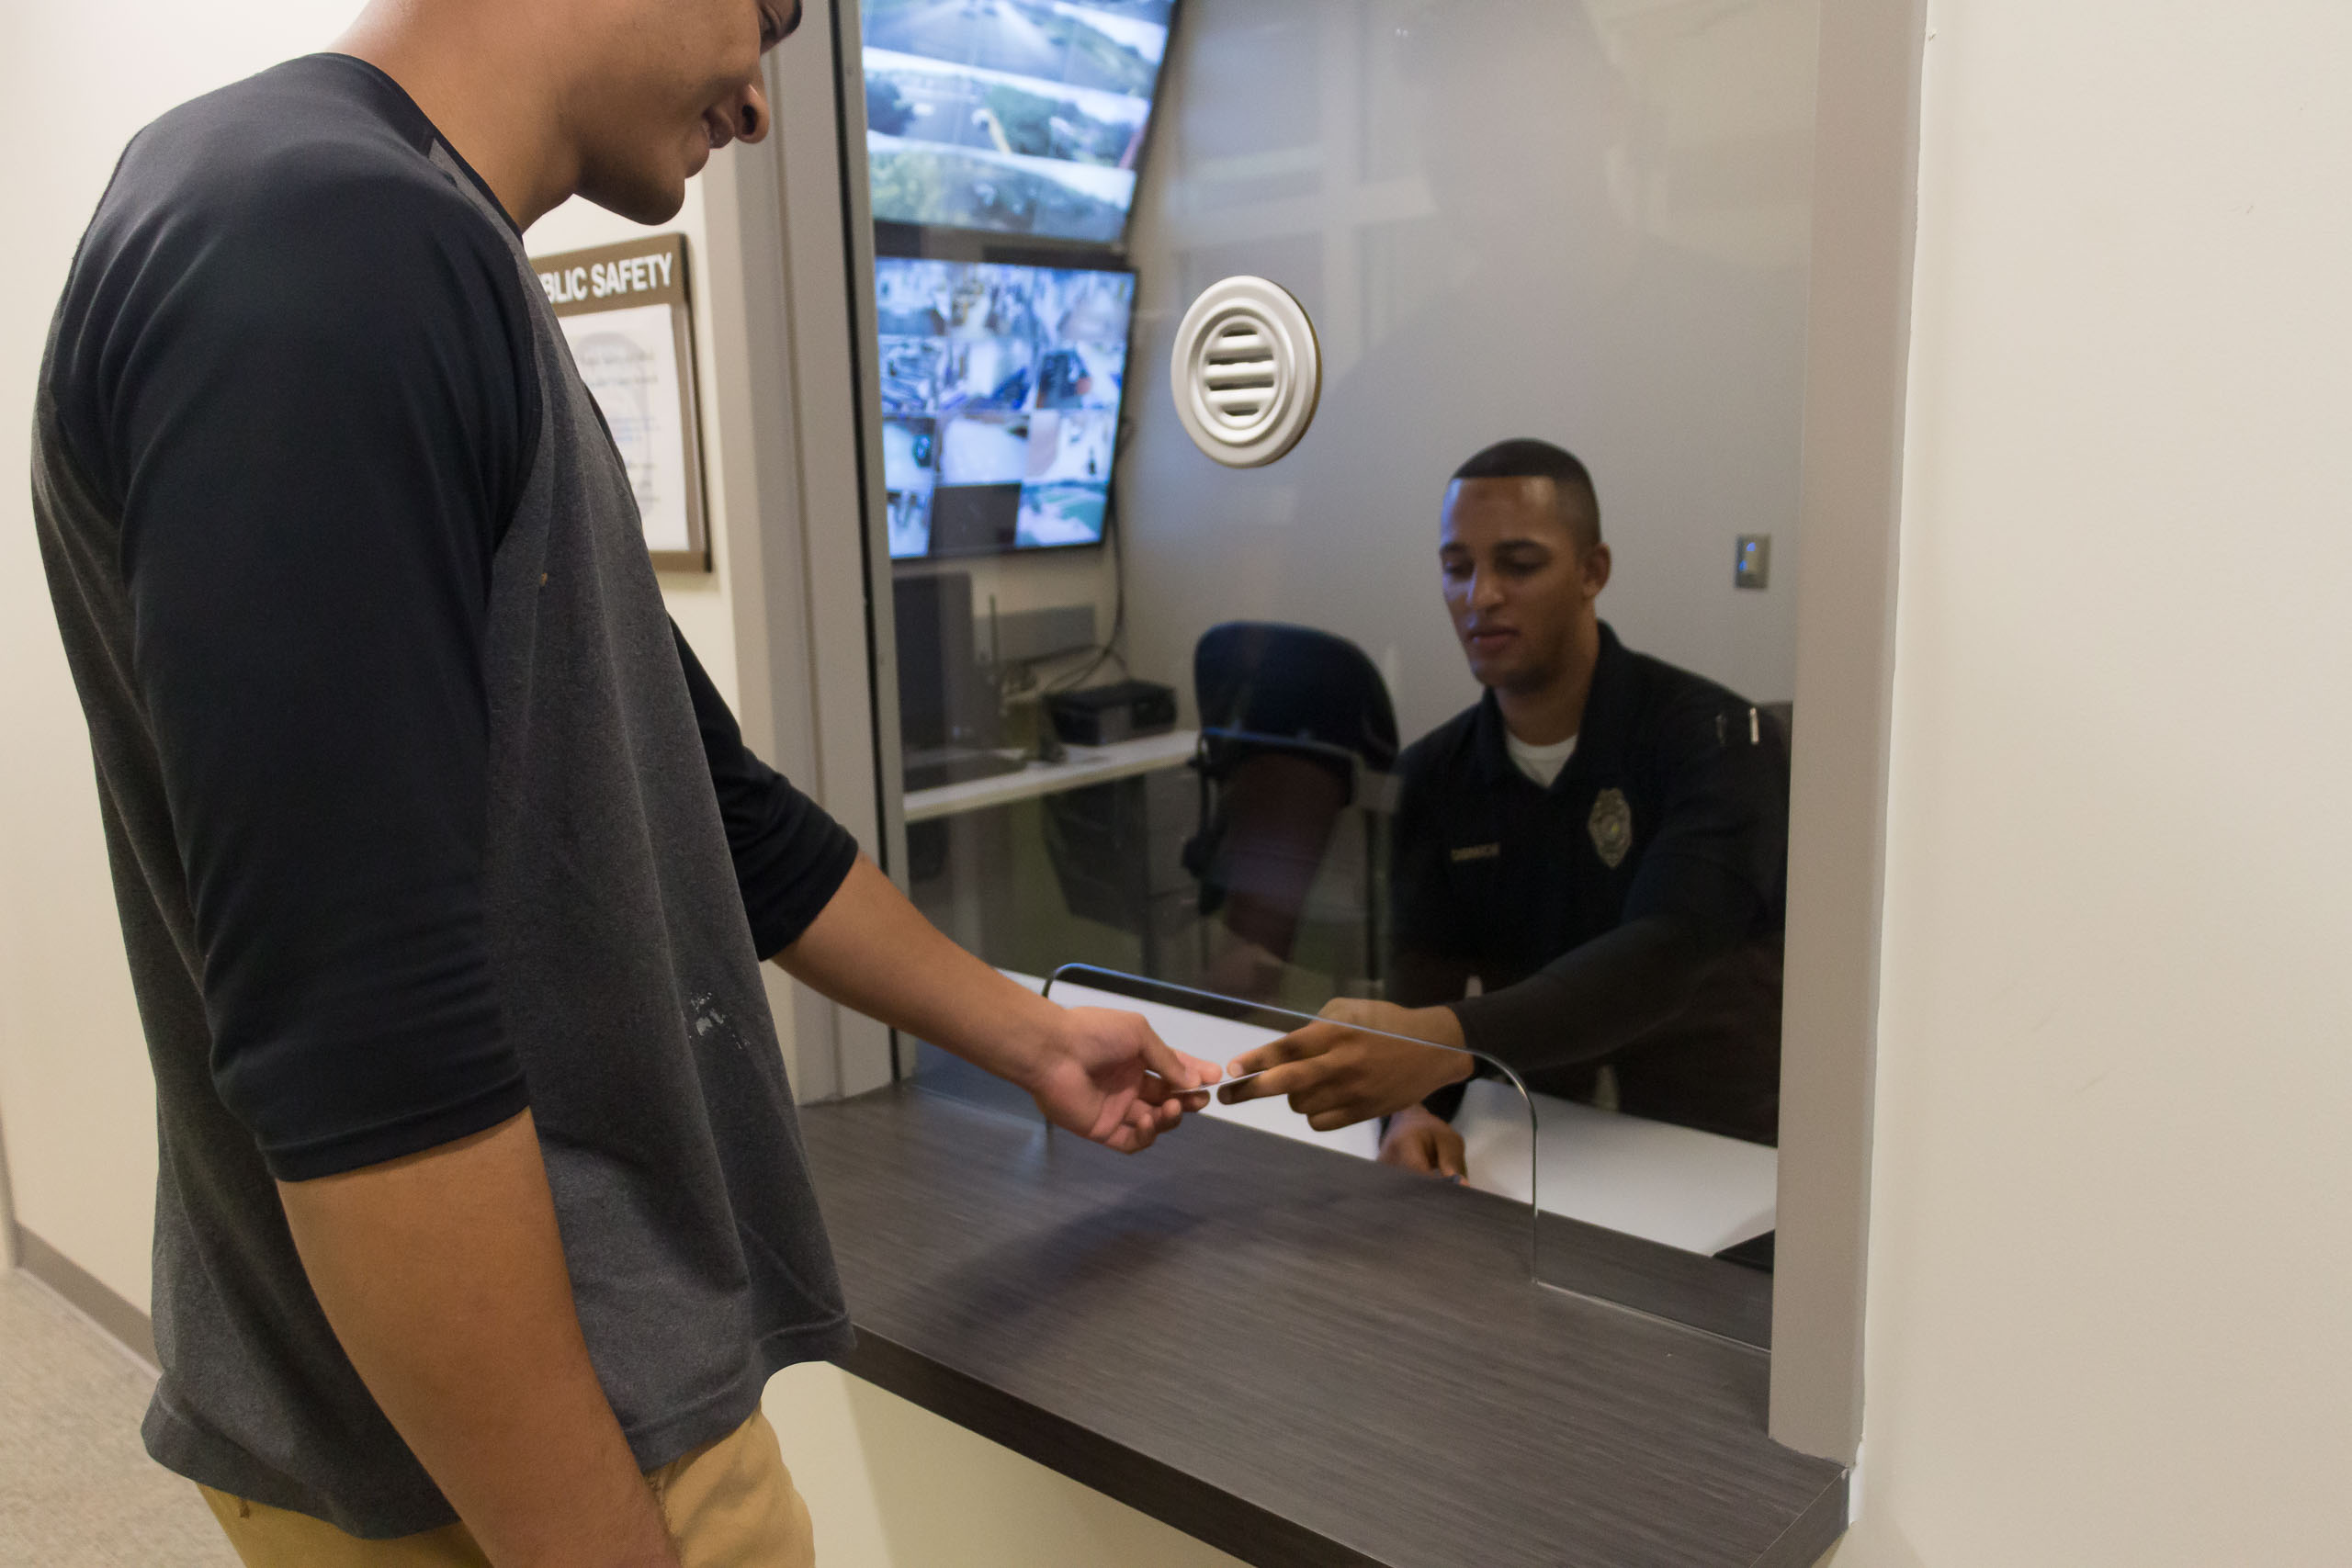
(1020,116)
(1001,389)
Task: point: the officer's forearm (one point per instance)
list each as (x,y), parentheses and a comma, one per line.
(1595,997)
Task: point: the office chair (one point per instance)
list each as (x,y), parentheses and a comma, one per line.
(1295,728)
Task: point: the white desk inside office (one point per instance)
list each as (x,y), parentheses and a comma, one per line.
(1684,1188)
(1083,765)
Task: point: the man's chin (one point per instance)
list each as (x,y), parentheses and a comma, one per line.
(648,199)
(1491,671)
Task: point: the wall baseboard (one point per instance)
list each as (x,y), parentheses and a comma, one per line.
(86,1294)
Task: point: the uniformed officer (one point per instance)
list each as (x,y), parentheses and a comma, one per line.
(1600,844)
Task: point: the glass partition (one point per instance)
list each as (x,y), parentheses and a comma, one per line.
(1223,1028)
(1471,712)
(1555,1168)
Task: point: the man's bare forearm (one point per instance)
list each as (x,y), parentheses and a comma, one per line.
(444,1279)
(873,951)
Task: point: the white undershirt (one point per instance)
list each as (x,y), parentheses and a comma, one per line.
(1542,763)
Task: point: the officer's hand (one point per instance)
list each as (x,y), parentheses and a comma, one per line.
(1337,1073)
(1417,1140)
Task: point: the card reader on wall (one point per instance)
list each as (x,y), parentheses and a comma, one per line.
(1100,715)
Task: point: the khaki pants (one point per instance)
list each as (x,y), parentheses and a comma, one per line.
(730,1504)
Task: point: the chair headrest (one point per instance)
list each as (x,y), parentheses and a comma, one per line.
(1297,682)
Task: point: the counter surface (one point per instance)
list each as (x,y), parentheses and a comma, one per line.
(1298,1357)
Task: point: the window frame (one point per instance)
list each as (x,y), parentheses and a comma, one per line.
(790,242)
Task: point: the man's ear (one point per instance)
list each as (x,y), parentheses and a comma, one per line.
(1596,567)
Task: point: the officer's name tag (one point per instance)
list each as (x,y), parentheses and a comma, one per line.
(1479,852)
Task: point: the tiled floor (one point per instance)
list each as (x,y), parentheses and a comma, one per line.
(76,1490)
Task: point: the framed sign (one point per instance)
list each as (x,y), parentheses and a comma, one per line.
(625,314)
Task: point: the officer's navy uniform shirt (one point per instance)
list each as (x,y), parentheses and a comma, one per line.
(1630,914)
(419,811)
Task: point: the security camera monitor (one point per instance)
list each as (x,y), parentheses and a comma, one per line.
(1000,391)
(1016,117)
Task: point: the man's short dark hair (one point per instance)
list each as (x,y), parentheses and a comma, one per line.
(1524,457)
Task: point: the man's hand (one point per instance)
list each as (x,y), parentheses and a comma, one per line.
(1416,1140)
(1337,1075)
(1106,1076)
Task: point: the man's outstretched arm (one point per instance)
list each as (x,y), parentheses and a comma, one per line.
(1099,1073)
(831,918)
(444,1279)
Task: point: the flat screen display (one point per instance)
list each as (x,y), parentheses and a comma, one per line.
(1018,117)
(1000,388)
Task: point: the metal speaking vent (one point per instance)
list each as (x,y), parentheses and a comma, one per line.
(1246,372)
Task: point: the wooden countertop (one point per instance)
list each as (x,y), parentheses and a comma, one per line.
(1303,1358)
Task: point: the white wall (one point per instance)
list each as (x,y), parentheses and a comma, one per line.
(75,1095)
(892,1486)
(73,1080)
(2111,1253)
(1585,222)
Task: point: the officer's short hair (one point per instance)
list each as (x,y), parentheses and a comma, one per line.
(1523,457)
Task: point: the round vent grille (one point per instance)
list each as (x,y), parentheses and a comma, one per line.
(1246,372)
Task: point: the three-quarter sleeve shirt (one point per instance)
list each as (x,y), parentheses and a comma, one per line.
(419,810)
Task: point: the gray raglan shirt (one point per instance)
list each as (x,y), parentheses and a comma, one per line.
(419,812)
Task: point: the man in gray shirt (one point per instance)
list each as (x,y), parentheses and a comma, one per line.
(442,870)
